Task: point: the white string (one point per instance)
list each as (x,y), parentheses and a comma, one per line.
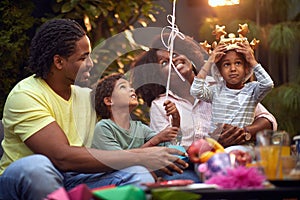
(170,45)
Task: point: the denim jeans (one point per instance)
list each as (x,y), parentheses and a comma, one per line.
(34,177)
(189,173)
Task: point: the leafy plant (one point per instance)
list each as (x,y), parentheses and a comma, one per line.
(284,101)
(282,37)
(16,23)
(101,18)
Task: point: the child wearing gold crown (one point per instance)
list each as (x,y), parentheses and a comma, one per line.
(233,100)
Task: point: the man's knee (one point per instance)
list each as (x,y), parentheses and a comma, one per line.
(141,174)
(35,175)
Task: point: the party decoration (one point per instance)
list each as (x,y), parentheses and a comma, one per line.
(243,30)
(203,149)
(219,32)
(238,178)
(230,41)
(205,45)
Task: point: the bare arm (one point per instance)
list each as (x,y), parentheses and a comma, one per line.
(52,142)
(171,110)
(215,56)
(166,135)
(259,124)
(232,135)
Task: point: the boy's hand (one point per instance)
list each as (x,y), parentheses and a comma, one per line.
(167,134)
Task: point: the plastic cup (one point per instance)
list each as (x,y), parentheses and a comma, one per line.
(297,143)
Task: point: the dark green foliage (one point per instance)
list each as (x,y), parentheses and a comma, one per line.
(102,19)
(15,22)
(284,101)
(283,36)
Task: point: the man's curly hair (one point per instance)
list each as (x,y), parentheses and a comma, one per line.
(104,88)
(55,37)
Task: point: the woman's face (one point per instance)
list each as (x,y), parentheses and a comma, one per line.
(233,69)
(181,62)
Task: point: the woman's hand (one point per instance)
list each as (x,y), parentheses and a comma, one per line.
(171,110)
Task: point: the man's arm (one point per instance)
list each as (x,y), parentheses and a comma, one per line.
(234,135)
(262,112)
(52,142)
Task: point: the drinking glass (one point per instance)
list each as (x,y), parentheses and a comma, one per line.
(270,147)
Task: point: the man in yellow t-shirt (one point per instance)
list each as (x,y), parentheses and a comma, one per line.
(32,105)
(48,125)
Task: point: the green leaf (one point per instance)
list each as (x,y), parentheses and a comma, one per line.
(282,38)
(67,7)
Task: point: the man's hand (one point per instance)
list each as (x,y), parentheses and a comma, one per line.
(163,159)
(231,135)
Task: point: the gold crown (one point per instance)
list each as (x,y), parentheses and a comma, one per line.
(231,41)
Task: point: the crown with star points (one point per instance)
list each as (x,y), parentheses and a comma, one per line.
(231,41)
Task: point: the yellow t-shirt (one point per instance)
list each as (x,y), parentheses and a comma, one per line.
(32,105)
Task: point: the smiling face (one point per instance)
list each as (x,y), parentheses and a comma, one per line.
(124,95)
(182,63)
(163,61)
(77,66)
(233,69)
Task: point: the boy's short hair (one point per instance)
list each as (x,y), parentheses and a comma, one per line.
(104,88)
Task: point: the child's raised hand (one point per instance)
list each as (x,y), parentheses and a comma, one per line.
(214,57)
(248,52)
(217,53)
(171,110)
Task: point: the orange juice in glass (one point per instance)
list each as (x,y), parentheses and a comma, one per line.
(270,162)
(271,146)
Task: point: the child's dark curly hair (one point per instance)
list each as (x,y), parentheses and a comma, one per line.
(104,88)
(56,36)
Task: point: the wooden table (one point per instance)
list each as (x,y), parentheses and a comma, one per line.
(274,193)
(268,193)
